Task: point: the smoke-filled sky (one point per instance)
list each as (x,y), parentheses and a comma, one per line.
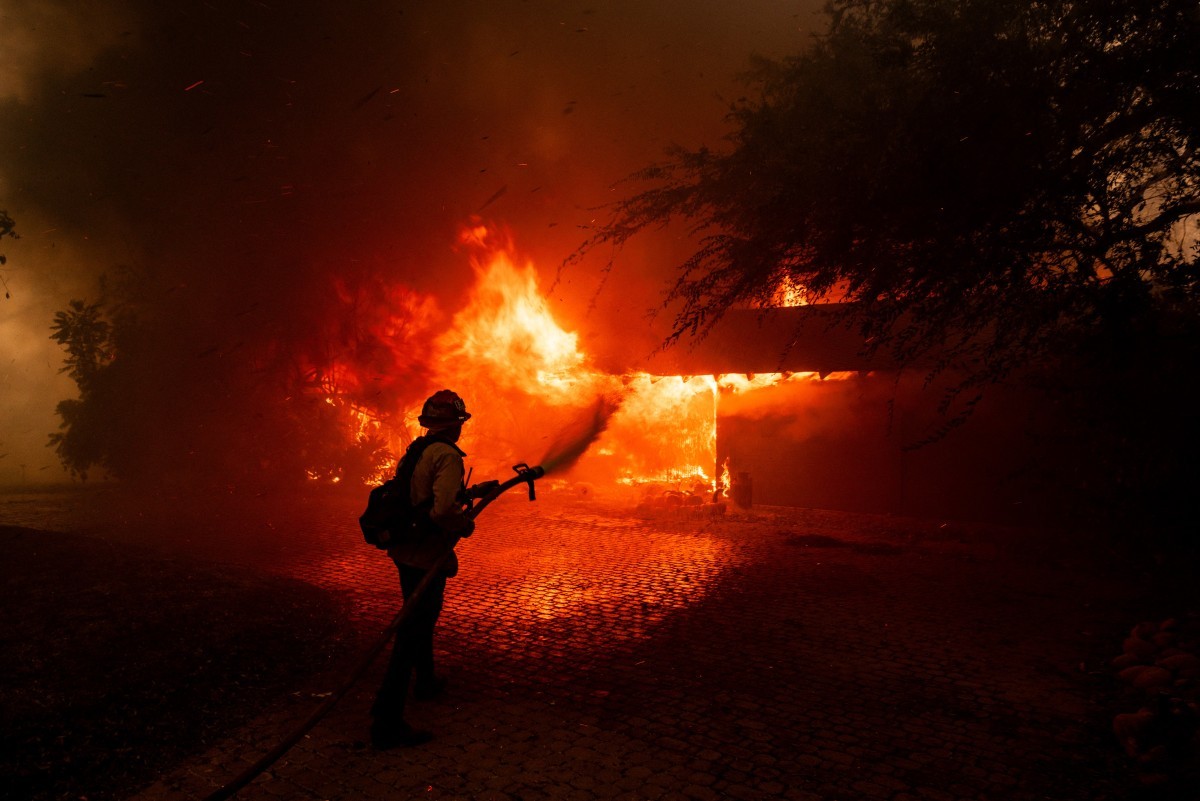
(243,153)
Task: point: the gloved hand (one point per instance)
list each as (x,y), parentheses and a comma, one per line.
(468,531)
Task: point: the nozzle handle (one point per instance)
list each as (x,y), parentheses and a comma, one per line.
(525,474)
(528,475)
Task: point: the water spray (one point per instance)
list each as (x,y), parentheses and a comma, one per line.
(573,442)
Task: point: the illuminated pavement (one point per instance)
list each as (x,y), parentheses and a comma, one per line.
(781,654)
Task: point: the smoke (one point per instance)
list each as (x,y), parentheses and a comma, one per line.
(44,38)
(812,409)
(246,159)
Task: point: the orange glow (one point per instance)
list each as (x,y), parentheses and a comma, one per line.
(554,587)
(622,567)
(789,293)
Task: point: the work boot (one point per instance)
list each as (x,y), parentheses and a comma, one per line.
(428,689)
(387,734)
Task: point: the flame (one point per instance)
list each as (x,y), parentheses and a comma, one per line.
(664,433)
(523,376)
(507,329)
(366,362)
(739,382)
(723,479)
(789,292)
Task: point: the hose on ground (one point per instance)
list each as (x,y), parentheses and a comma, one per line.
(526,475)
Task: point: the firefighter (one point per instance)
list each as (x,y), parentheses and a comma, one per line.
(438,476)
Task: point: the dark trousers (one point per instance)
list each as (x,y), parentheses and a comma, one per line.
(413,651)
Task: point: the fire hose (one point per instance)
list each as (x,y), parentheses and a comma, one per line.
(485,493)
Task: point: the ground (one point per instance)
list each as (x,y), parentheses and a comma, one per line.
(591,652)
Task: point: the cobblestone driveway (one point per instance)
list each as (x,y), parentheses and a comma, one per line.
(778,654)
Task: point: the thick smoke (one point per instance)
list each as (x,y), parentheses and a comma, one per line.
(255,164)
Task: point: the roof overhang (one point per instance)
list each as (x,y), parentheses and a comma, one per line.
(795,339)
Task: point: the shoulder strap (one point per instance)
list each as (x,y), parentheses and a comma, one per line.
(408,462)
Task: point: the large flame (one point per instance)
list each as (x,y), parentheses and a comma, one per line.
(523,376)
(507,330)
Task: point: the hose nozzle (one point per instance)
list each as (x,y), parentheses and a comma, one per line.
(529,475)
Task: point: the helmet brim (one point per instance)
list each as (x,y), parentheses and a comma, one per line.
(429,422)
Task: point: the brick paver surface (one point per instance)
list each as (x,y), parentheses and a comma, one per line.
(795,654)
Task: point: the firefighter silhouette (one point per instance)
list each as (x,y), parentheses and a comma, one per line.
(437,478)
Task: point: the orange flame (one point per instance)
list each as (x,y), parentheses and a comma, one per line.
(507,329)
(789,292)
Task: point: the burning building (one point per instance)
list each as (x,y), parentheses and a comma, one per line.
(776,406)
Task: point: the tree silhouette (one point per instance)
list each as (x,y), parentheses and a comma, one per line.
(150,410)
(7,228)
(87,336)
(981,180)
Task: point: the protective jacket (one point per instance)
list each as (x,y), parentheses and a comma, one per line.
(438,475)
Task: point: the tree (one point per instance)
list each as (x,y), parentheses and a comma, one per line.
(980,180)
(7,228)
(87,336)
(151,409)
(85,436)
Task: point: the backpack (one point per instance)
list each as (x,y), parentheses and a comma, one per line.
(390,517)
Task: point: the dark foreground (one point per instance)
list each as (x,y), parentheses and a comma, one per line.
(591,653)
